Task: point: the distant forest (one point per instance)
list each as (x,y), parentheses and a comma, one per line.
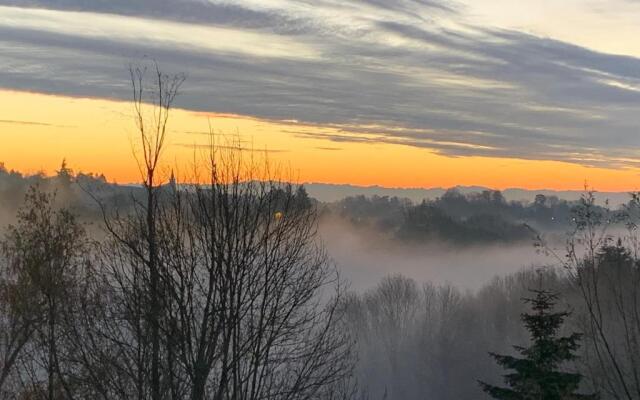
(75,190)
(459,218)
(474,218)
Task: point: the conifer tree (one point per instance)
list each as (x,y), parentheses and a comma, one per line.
(538,374)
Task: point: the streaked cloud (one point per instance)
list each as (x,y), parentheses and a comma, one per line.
(206,147)
(420,73)
(158,33)
(32,123)
(326,148)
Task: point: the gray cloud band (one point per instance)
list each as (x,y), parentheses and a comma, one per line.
(393,78)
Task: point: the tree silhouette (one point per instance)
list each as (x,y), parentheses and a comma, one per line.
(538,374)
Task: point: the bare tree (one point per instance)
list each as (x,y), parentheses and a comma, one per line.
(152,128)
(246,277)
(45,250)
(19,316)
(131,288)
(218,289)
(603,266)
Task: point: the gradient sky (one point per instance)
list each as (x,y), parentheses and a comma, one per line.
(404,93)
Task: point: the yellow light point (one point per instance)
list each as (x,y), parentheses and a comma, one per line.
(38,131)
(279,215)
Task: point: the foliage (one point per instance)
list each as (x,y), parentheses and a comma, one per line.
(538,373)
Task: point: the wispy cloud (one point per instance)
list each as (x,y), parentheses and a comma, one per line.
(326,148)
(32,123)
(410,72)
(224,147)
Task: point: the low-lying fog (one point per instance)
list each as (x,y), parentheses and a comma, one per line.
(365,257)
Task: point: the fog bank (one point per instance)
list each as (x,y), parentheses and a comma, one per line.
(365,257)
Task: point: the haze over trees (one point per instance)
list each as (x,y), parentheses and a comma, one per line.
(455,218)
(460,219)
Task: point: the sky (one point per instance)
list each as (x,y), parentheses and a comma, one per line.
(397,93)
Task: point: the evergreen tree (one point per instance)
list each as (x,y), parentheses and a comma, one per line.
(538,373)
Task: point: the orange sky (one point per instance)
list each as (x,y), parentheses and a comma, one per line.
(38,131)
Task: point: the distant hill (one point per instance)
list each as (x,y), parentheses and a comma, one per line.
(331,192)
(465,216)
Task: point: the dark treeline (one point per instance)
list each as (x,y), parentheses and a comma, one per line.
(474,218)
(77,191)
